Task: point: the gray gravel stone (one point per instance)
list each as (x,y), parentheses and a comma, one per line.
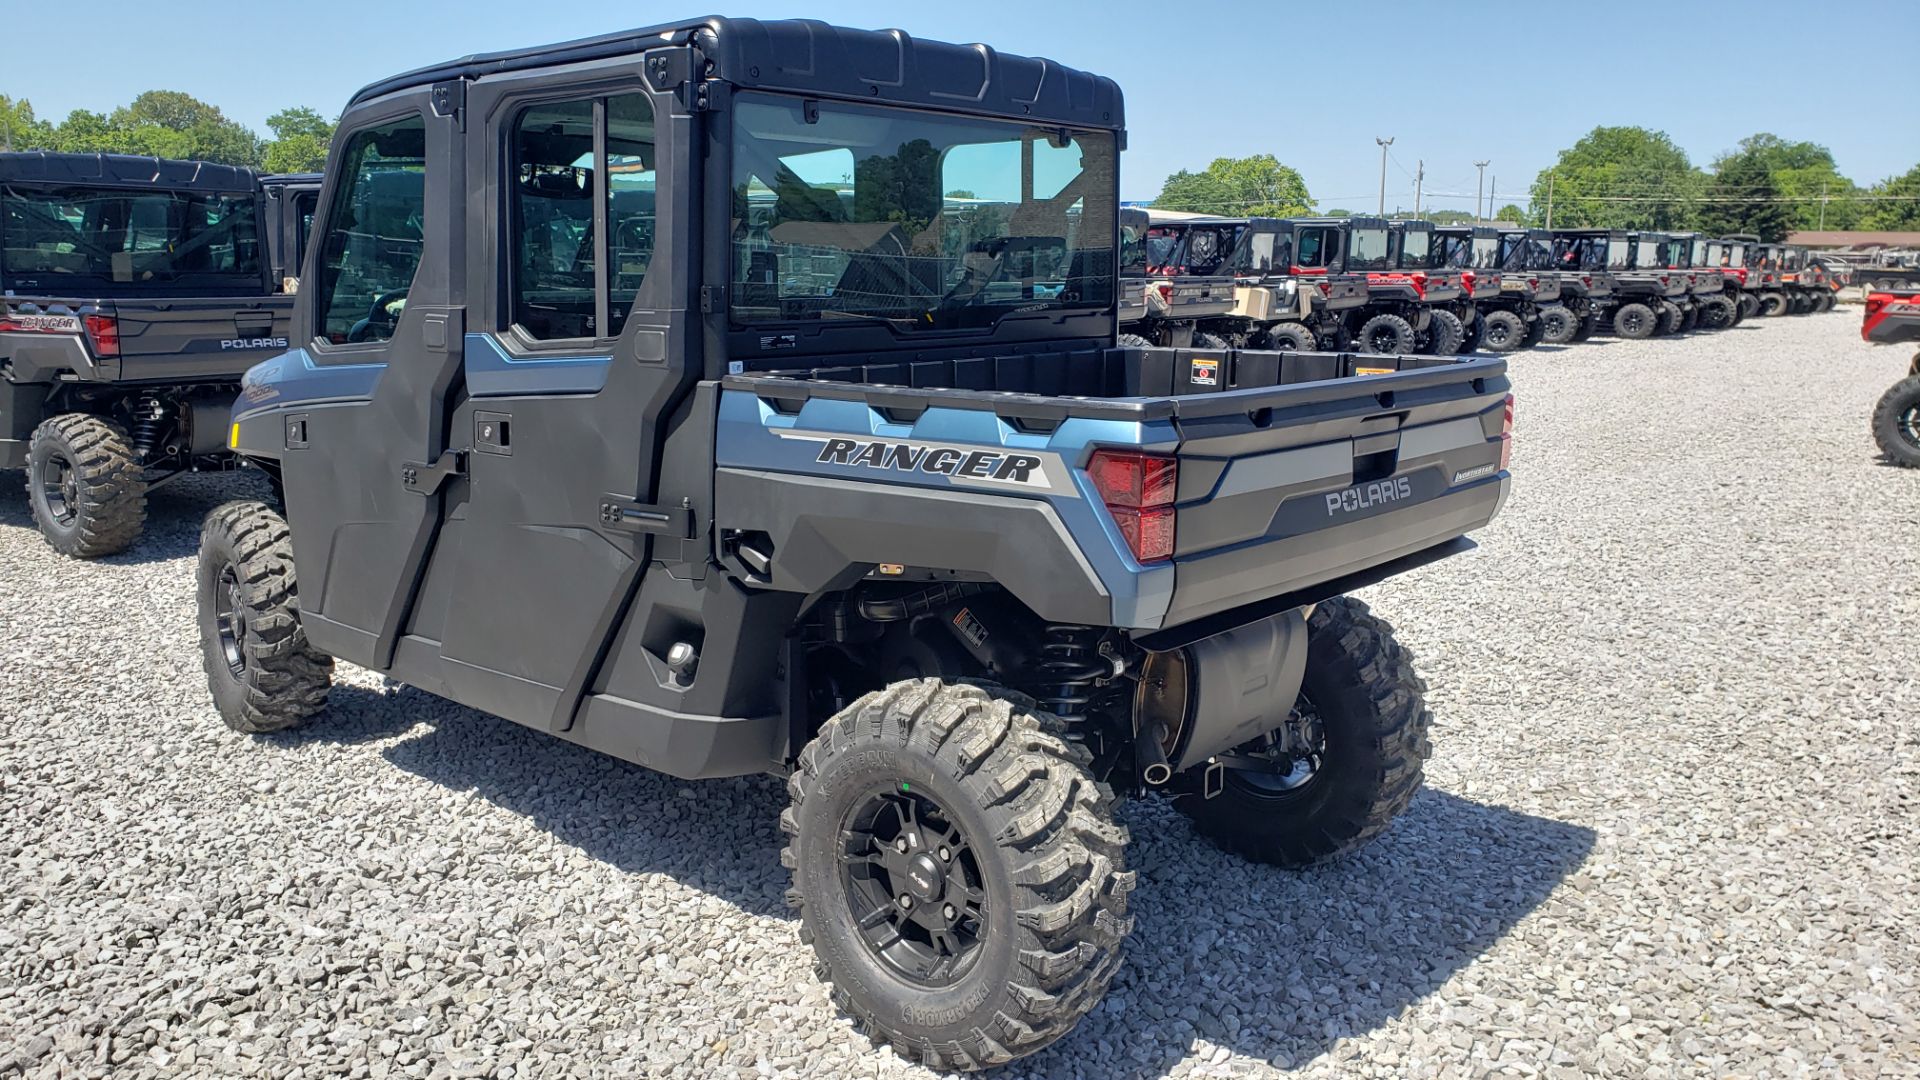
(1669,829)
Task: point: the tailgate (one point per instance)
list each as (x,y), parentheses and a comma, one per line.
(200,338)
(1282,489)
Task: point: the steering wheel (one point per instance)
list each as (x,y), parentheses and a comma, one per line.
(379,316)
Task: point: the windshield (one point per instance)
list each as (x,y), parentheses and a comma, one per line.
(1367,249)
(71,237)
(927,222)
(1415,246)
(1736,255)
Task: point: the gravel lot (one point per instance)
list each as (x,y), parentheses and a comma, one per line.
(1668,830)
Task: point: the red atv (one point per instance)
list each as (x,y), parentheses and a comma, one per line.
(1893,318)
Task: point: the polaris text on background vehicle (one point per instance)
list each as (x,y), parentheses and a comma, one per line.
(133,293)
(738,397)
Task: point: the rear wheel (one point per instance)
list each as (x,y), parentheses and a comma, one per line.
(1773,303)
(1536,333)
(1133,341)
(1290,337)
(263,674)
(1503,331)
(1586,328)
(1355,750)
(1829,300)
(1634,321)
(958,873)
(89,495)
(1749,305)
(1896,423)
(1557,324)
(1209,341)
(1668,318)
(1386,334)
(1443,334)
(1717,313)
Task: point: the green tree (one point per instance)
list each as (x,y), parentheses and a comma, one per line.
(1339,213)
(1257,186)
(1742,198)
(299,143)
(1805,176)
(1618,178)
(1512,213)
(168,123)
(19,130)
(1897,202)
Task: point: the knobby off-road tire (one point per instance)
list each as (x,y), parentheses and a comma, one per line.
(263,674)
(1361,683)
(1445,333)
(1386,334)
(1896,423)
(1586,328)
(1773,304)
(1290,337)
(89,495)
(1669,318)
(1504,331)
(1636,322)
(1133,341)
(1749,305)
(1476,328)
(1034,849)
(1557,324)
(1689,318)
(1536,333)
(1718,313)
(1209,341)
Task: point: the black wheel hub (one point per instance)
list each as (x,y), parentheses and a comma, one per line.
(914,884)
(59,488)
(230,620)
(1383,340)
(1497,333)
(1907,426)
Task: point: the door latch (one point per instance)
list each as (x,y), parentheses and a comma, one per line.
(423,479)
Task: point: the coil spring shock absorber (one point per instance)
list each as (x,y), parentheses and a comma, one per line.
(149,423)
(1069,663)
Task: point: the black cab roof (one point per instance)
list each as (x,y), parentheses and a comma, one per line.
(124,171)
(807,56)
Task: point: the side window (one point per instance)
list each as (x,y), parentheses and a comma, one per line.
(374,232)
(570,160)
(1313,247)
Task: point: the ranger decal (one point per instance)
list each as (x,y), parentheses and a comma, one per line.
(995,467)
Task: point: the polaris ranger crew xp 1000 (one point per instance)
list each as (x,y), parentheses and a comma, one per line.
(701,423)
(133,293)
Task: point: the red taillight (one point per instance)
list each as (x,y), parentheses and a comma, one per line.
(1138,489)
(1419,283)
(1326,288)
(1164,290)
(104,332)
(1533,283)
(1506,435)
(1586,279)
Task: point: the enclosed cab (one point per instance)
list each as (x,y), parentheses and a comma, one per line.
(1526,311)
(1172,277)
(740,397)
(133,294)
(1291,287)
(288,202)
(1596,256)
(1647,297)
(1443,288)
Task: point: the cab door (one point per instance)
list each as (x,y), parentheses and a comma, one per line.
(382,325)
(581,346)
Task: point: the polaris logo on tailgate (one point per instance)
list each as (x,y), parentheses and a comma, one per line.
(1367,496)
(254,343)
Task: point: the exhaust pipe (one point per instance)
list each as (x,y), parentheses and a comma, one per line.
(1149,750)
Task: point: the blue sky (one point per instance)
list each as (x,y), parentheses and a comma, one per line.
(1311,84)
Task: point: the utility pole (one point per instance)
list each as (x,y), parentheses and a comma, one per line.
(1493,194)
(1478,188)
(1549,200)
(1384,143)
(1823,204)
(1419,176)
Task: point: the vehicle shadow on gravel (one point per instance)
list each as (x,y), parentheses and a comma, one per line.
(1277,965)
(1269,964)
(631,818)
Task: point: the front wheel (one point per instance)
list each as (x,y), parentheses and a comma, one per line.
(1557,324)
(263,674)
(958,872)
(1773,304)
(1355,748)
(1896,423)
(1445,334)
(88,493)
(1504,331)
(1290,337)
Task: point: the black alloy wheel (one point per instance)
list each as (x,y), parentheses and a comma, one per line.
(915,886)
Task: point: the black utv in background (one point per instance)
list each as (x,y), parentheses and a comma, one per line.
(1291,288)
(133,294)
(700,420)
(1473,251)
(1646,297)
(1171,278)
(288,202)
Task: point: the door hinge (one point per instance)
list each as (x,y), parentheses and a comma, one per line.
(712,299)
(423,479)
(627,515)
